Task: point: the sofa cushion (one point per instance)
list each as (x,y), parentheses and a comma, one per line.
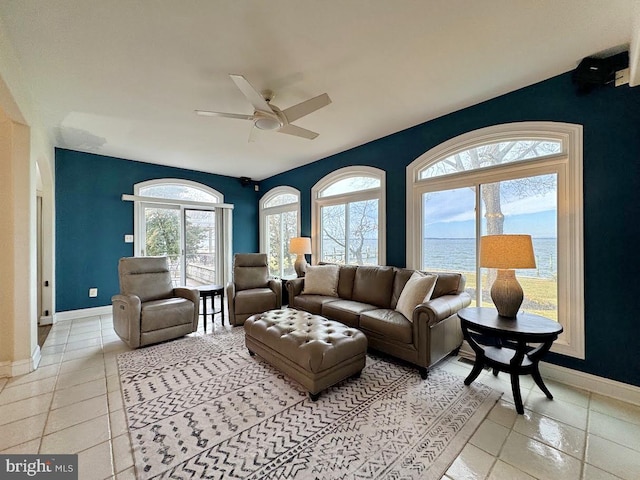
(416,291)
(345,284)
(373,285)
(345,311)
(387,323)
(447,284)
(311,303)
(321,280)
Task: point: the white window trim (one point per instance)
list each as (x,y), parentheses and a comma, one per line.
(568,165)
(288,207)
(378,193)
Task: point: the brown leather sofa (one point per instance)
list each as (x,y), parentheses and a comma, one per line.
(367,298)
(252,291)
(149,309)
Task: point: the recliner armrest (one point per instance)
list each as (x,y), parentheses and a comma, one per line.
(231,302)
(276,286)
(190,294)
(126,318)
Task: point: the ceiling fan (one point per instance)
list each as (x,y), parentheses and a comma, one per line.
(270,117)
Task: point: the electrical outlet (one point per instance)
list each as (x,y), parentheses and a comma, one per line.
(93,292)
(128,239)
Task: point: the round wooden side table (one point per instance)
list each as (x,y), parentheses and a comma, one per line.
(505,345)
(211,291)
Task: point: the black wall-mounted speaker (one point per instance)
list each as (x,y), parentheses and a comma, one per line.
(593,71)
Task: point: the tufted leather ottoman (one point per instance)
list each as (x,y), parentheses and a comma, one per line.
(314,351)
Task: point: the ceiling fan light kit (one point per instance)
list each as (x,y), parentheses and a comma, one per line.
(269,117)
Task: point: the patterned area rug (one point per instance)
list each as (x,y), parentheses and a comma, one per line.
(201,407)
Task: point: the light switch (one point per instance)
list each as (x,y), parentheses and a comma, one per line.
(93,292)
(128,239)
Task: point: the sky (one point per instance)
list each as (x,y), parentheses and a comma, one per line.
(451,214)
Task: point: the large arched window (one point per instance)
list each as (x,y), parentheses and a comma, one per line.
(279,222)
(182,220)
(348,216)
(514,178)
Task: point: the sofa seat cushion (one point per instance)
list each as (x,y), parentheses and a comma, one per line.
(387,323)
(165,313)
(311,303)
(346,311)
(255,300)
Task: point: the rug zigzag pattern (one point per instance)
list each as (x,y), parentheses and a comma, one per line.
(200,407)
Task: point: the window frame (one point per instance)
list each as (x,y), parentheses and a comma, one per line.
(287,207)
(568,167)
(177,204)
(377,193)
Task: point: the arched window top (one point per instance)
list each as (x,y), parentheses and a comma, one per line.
(493,146)
(177,189)
(280,196)
(349,180)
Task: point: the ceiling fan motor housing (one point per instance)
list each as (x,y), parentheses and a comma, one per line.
(267,121)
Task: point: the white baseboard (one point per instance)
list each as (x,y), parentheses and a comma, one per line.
(46,320)
(592,383)
(21,367)
(83,312)
(576,378)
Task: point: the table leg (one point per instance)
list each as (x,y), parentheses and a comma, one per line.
(515,389)
(477,368)
(204,312)
(222,306)
(538,379)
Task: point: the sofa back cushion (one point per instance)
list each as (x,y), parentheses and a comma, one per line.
(345,284)
(373,285)
(448,284)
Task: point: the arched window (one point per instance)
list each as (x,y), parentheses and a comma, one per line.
(348,216)
(515,178)
(279,222)
(180,219)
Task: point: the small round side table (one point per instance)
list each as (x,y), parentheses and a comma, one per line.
(510,351)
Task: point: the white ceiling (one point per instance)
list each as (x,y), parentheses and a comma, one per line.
(122,78)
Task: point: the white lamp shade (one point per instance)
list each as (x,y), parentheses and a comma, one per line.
(300,245)
(507,252)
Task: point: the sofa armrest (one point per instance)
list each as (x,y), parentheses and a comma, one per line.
(275,285)
(438,309)
(126,318)
(190,294)
(294,287)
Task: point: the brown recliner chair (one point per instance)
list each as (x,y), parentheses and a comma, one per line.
(251,291)
(148,309)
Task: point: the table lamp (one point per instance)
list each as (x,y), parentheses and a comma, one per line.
(506,253)
(301,246)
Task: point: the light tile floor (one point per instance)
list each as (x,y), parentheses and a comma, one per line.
(72,404)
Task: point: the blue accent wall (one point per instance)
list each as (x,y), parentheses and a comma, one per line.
(611,120)
(92,219)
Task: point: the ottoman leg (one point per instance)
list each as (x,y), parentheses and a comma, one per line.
(357,374)
(314,396)
(251,353)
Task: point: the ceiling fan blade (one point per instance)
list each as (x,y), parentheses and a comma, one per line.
(254,97)
(298,132)
(306,107)
(239,116)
